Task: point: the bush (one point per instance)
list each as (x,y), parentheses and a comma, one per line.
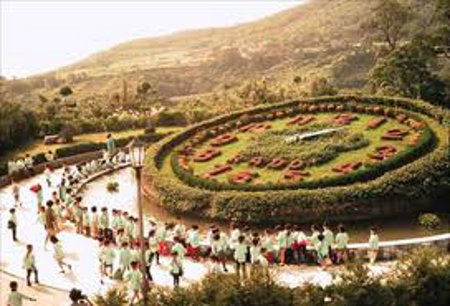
(429,221)
(171,118)
(420,278)
(112,186)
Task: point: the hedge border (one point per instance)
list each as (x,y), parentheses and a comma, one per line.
(415,180)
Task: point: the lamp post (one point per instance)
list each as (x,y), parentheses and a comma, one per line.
(137,156)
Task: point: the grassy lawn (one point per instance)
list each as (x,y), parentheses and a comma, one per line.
(317,172)
(38,146)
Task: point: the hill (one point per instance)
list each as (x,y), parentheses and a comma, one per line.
(319,36)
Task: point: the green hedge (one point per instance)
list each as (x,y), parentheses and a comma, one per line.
(370,188)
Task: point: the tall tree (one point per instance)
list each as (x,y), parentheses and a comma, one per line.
(388,21)
(407,71)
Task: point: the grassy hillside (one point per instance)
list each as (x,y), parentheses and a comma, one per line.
(320,36)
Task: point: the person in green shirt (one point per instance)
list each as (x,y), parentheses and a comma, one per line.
(110,145)
(125,257)
(29,263)
(134,279)
(59,254)
(373,245)
(322,249)
(15,298)
(341,244)
(107,257)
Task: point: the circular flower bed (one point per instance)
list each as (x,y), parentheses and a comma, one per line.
(333,157)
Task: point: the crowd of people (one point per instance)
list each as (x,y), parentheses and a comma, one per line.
(120,247)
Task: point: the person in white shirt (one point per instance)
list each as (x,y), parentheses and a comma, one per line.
(234,235)
(218,250)
(255,251)
(240,252)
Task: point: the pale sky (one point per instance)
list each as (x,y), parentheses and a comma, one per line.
(37,36)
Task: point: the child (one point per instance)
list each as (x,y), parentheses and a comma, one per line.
(341,244)
(153,246)
(218,251)
(16,194)
(48,175)
(39,195)
(269,245)
(255,251)
(29,263)
(12,223)
(179,229)
(85,222)
(148,261)
(178,248)
(134,278)
(94,222)
(263,262)
(15,298)
(103,223)
(59,254)
(125,257)
(373,245)
(176,269)
(121,238)
(108,258)
(193,242)
(234,236)
(322,250)
(282,241)
(240,251)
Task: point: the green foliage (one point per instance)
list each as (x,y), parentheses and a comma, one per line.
(171,118)
(388,21)
(321,87)
(429,221)
(420,278)
(113,297)
(226,289)
(112,186)
(17,125)
(406,71)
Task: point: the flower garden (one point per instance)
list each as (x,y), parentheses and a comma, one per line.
(331,157)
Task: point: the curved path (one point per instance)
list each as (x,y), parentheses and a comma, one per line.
(81,251)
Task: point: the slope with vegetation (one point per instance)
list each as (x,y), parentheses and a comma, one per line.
(318,48)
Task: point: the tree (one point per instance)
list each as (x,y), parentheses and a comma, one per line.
(321,87)
(388,21)
(16,125)
(65,91)
(143,88)
(407,72)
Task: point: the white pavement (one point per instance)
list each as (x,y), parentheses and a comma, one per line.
(81,251)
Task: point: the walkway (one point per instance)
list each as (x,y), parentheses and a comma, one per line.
(81,251)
